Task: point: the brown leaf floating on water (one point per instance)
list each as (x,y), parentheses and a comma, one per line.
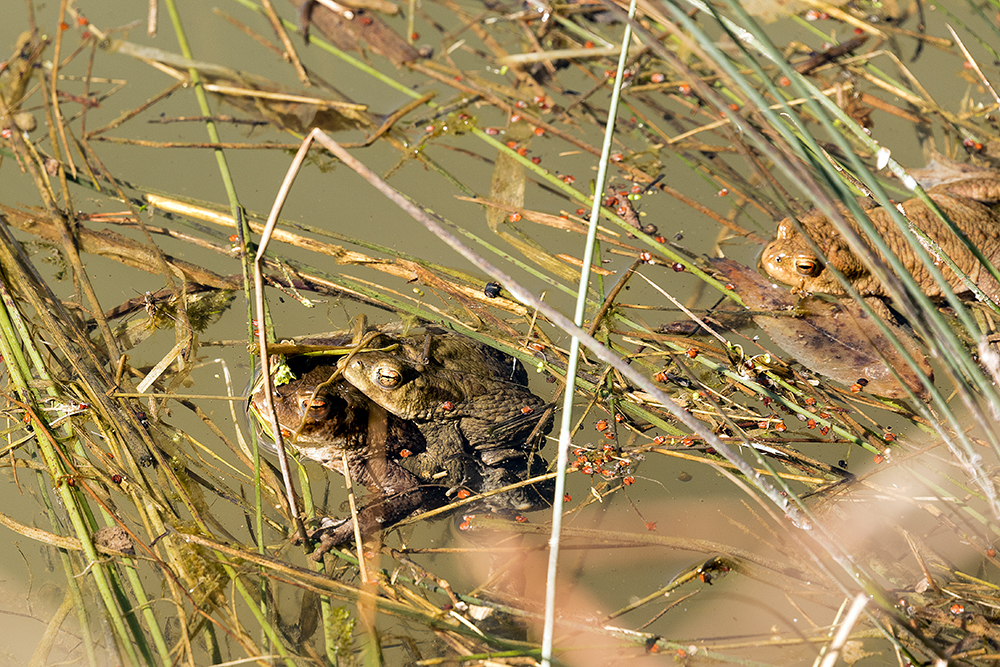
(835,339)
(364,28)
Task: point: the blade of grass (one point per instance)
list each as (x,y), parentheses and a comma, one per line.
(565,428)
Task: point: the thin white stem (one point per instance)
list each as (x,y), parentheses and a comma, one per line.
(258,283)
(844,631)
(562,460)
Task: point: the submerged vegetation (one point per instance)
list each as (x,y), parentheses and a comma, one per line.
(838,516)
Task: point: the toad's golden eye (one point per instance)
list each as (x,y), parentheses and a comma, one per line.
(808,267)
(318,403)
(387,376)
(314,407)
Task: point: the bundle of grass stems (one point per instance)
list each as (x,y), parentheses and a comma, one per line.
(860,526)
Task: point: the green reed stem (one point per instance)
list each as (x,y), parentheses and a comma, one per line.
(566,427)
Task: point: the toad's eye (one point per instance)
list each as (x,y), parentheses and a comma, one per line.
(307,403)
(387,377)
(808,267)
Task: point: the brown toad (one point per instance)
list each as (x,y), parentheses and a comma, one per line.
(328,421)
(465,396)
(410,459)
(968,202)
